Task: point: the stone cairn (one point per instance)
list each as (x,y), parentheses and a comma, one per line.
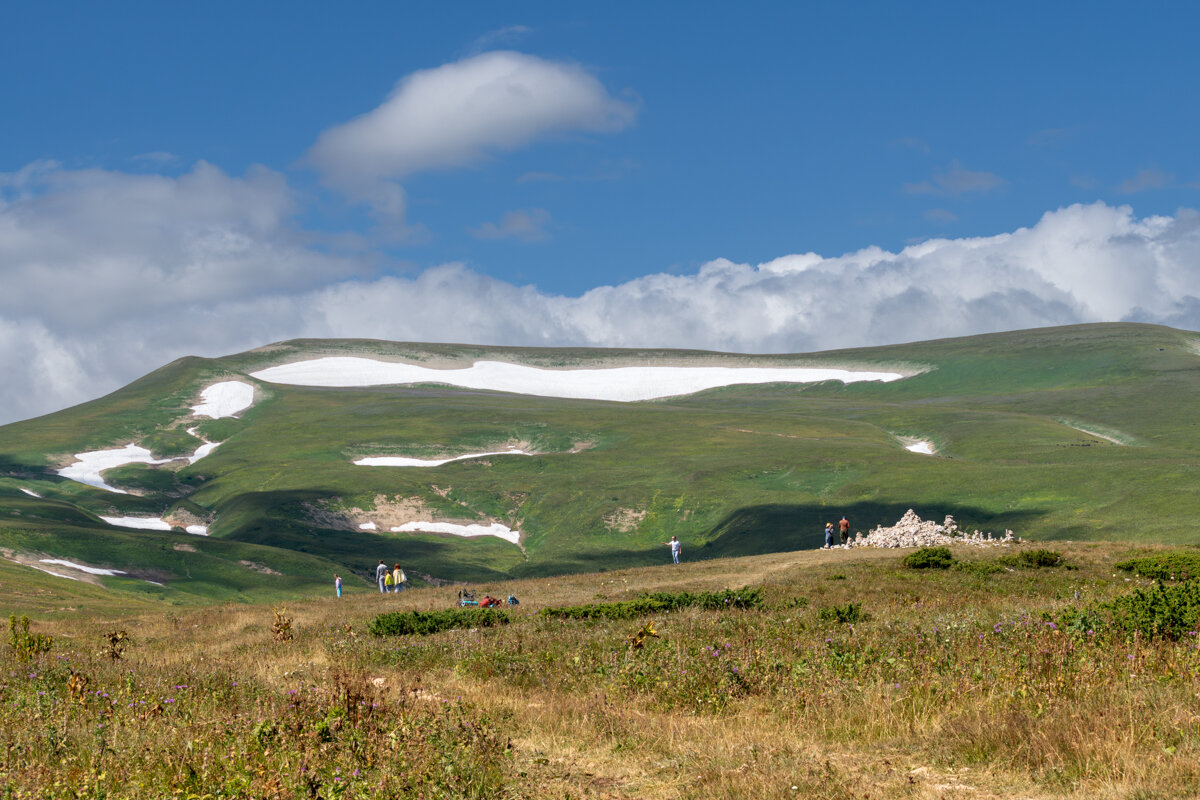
(912,531)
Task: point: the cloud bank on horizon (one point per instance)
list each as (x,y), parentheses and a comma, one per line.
(79,320)
(109,274)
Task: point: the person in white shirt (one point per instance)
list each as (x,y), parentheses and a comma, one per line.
(676,547)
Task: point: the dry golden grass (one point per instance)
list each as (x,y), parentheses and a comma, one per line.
(953,685)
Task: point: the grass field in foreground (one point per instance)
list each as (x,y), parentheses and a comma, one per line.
(946,683)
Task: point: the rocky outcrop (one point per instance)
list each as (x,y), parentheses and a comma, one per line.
(912,531)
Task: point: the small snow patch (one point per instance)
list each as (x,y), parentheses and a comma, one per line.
(404,461)
(197,530)
(224,399)
(620,384)
(82,568)
(925,448)
(30,492)
(1107,434)
(88,466)
(141,523)
(368,526)
(202,451)
(472,530)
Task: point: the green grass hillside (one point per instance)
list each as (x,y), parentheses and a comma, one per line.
(1084,432)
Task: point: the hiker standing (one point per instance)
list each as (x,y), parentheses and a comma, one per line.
(337,584)
(398,579)
(380,573)
(387,583)
(676,547)
(829,534)
(844,529)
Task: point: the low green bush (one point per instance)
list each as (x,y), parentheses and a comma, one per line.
(1033,559)
(1160,612)
(1175,566)
(848,614)
(929,558)
(423,623)
(981,568)
(660,602)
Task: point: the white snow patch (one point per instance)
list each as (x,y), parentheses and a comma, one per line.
(30,492)
(89,465)
(404,461)
(621,384)
(197,530)
(225,399)
(922,447)
(368,526)
(142,523)
(1091,430)
(52,572)
(202,451)
(82,568)
(495,529)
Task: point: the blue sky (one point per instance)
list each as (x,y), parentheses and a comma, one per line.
(217,159)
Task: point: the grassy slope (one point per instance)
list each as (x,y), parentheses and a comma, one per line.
(950,684)
(731,471)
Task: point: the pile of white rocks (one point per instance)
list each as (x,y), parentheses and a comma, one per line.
(912,531)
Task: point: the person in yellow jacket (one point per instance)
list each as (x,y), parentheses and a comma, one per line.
(387,582)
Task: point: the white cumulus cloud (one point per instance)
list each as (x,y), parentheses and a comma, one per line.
(108,276)
(458,114)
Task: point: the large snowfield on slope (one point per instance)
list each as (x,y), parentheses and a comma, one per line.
(621,384)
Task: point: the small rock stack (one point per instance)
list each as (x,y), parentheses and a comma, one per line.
(912,531)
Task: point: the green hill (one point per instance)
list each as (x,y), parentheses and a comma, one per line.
(1083,432)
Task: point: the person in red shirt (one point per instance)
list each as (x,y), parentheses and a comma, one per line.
(844,530)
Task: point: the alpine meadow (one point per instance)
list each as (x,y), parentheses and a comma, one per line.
(169,554)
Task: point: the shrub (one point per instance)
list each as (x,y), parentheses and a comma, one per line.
(929,558)
(423,623)
(846,615)
(660,602)
(1177,566)
(981,568)
(1033,559)
(1168,612)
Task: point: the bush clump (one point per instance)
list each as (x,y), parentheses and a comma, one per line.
(1160,612)
(660,602)
(1176,566)
(1033,559)
(929,558)
(845,615)
(423,623)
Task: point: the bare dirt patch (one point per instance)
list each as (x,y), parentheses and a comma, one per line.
(624,520)
(263,568)
(388,512)
(182,519)
(59,570)
(184,547)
